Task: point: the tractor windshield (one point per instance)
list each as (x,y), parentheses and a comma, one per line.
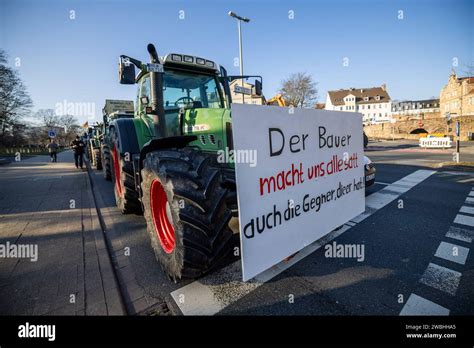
(193,90)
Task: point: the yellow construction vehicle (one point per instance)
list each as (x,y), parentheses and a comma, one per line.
(276,100)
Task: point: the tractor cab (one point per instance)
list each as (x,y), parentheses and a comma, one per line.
(182,95)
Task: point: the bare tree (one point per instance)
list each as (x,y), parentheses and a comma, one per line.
(70,125)
(15,102)
(48,118)
(299,90)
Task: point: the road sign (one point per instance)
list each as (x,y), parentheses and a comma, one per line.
(242,90)
(436,142)
(299,176)
(458,128)
(51,134)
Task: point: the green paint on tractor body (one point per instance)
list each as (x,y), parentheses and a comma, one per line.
(212,125)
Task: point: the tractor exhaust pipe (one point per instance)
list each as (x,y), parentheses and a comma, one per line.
(156,91)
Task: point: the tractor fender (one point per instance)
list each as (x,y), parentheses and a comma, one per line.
(165,143)
(127,135)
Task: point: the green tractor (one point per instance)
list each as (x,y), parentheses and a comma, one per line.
(164,159)
(93,146)
(113,109)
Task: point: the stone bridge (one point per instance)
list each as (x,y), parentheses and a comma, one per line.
(411,126)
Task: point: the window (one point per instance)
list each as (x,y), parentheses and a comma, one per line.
(181,88)
(341,108)
(366,98)
(143,91)
(368,106)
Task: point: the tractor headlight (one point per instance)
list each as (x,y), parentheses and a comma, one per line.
(188,59)
(200,61)
(209,64)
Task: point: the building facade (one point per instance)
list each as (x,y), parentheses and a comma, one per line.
(457,96)
(415,107)
(373,103)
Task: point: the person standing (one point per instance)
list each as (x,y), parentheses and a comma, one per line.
(53,150)
(78,148)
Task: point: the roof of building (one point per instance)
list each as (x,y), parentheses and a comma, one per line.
(319,106)
(470,79)
(361,94)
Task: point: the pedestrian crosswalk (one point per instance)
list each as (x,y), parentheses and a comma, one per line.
(214,292)
(444,279)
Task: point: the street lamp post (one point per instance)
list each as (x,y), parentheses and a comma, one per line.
(241,63)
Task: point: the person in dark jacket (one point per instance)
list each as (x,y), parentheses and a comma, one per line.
(78,148)
(53,150)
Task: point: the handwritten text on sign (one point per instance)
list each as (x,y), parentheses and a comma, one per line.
(308,180)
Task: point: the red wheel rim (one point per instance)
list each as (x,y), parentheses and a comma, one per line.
(161,216)
(118,184)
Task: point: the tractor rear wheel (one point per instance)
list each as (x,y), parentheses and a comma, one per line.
(186,212)
(126,195)
(97,159)
(106,165)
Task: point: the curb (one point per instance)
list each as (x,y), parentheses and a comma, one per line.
(453,166)
(133,296)
(112,297)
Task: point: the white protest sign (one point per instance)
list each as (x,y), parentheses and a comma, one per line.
(307,179)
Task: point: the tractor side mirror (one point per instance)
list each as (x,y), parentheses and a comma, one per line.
(126,71)
(258,88)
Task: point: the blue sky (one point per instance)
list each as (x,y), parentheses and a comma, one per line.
(76,60)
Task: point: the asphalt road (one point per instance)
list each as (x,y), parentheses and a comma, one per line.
(399,271)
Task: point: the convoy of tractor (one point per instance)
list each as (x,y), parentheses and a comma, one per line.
(161,155)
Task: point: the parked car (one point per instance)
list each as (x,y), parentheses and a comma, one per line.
(369,169)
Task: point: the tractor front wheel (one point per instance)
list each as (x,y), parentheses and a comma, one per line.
(106,165)
(186,212)
(126,195)
(97,159)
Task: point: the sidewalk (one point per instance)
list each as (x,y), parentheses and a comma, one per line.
(49,207)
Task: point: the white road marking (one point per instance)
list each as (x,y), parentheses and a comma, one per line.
(417,305)
(471,194)
(464,220)
(452,252)
(441,278)
(460,234)
(470,200)
(382,183)
(214,292)
(467,210)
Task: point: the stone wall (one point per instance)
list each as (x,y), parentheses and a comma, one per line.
(431,123)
